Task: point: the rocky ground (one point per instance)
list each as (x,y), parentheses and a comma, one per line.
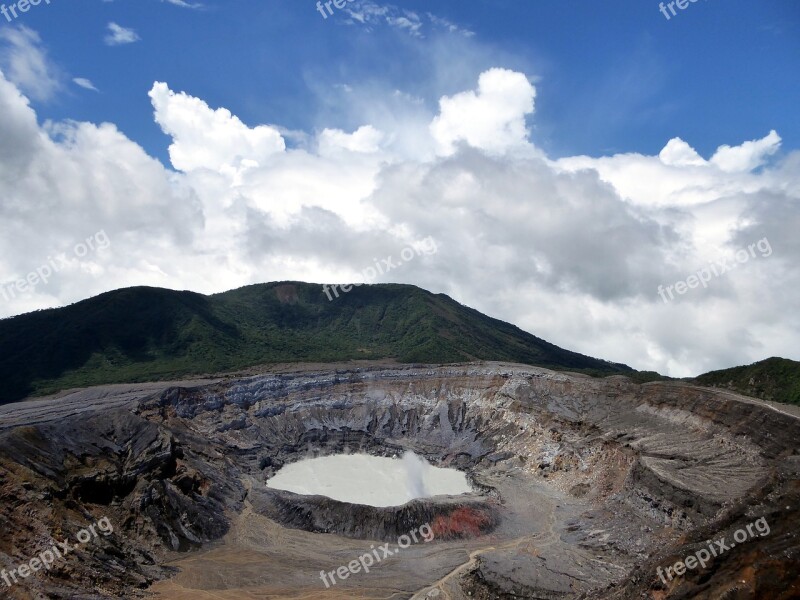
(583,487)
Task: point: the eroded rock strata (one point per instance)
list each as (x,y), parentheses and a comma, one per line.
(582,488)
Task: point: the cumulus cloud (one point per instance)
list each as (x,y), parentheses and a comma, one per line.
(69,181)
(572,250)
(748,156)
(208,138)
(491,118)
(678,153)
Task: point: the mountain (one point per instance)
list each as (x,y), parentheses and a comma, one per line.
(145,334)
(775,379)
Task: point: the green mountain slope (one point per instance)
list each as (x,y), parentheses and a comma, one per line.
(140,334)
(775,379)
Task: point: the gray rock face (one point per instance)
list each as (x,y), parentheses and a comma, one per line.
(582,486)
(321,514)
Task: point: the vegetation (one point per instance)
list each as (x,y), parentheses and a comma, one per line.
(775,379)
(143,334)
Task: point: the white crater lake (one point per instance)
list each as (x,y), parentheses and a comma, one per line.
(370,480)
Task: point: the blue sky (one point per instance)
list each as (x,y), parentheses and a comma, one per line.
(575,167)
(612,76)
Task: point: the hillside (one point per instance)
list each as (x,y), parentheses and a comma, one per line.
(140,334)
(775,379)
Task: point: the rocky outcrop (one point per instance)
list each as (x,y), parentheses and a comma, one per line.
(58,478)
(449,518)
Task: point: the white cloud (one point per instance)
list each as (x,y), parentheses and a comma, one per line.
(184,4)
(678,153)
(369,12)
(211,139)
(56,193)
(409,21)
(365,139)
(449,25)
(118,35)
(84,83)
(24,62)
(679,176)
(748,156)
(371,15)
(492,119)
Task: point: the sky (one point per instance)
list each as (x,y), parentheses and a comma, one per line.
(615,178)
